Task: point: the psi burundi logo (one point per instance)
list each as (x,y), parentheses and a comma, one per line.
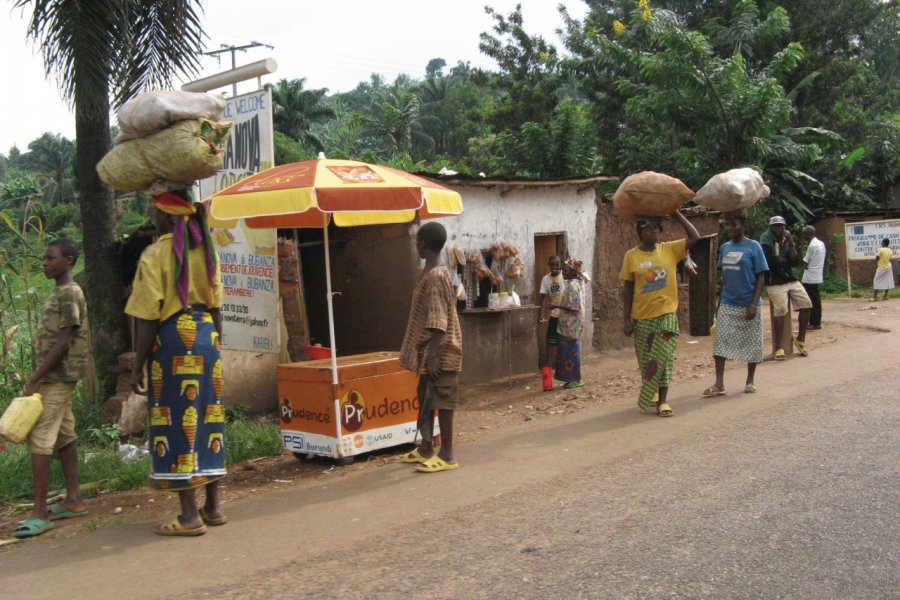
(353,410)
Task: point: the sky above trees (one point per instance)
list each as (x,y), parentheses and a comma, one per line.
(333,45)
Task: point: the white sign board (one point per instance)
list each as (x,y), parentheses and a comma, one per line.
(249,260)
(864,239)
(248,256)
(251,146)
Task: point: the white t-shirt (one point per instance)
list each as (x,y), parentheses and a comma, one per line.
(815,261)
(553,288)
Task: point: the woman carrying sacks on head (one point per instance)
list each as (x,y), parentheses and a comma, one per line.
(650,305)
(176,300)
(570,325)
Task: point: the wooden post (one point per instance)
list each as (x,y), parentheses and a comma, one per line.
(290,288)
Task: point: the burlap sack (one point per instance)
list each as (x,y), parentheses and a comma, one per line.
(733,190)
(649,194)
(150,112)
(183,152)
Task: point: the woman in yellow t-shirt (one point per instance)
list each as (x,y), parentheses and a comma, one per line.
(176,300)
(884,273)
(650,303)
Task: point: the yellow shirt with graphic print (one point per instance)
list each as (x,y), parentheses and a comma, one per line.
(654,277)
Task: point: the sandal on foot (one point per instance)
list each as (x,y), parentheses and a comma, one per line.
(32,527)
(214,521)
(414,456)
(750,389)
(175,528)
(58,511)
(712,391)
(436,464)
(664,410)
(652,404)
(801,347)
(779,354)
(573,384)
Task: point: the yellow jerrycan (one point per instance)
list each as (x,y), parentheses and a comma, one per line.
(20,417)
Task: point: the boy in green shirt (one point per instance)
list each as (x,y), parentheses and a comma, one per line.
(62,349)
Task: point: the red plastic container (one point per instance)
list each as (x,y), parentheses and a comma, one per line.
(547,378)
(317,352)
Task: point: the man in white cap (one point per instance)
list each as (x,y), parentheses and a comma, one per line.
(782,285)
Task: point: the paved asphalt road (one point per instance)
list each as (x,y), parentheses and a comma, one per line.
(788,493)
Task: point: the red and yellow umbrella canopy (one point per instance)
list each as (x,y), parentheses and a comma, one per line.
(306,194)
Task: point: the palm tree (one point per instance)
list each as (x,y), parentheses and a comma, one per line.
(296,109)
(97,48)
(54,157)
(397,118)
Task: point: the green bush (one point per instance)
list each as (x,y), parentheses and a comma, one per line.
(251,439)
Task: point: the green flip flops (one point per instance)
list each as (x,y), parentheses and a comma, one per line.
(32,527)
(58,511)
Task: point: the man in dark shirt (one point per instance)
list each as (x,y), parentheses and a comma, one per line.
(782,286)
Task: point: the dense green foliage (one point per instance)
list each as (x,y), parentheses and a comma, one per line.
(805,91)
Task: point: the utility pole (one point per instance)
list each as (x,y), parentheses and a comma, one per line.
(233,50)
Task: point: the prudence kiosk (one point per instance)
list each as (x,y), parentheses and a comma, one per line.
(372,406)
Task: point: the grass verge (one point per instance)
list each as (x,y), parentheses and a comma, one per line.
(102,469)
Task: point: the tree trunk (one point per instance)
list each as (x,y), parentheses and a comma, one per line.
(104,290)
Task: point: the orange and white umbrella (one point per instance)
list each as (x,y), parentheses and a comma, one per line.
(314,192)
(310,193)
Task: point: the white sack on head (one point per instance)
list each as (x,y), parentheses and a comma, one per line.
(150,112)
(650,194)
(733,190)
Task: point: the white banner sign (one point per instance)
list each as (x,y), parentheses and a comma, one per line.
(248,256)
(249,261)
(864,239)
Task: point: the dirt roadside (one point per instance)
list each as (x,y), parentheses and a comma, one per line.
(609,376)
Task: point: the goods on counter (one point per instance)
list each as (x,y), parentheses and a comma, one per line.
(650,194)
(733,190)
(20,417)
(154,111)
(183,152)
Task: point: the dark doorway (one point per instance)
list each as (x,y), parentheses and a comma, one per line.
(702,287)
(545,246)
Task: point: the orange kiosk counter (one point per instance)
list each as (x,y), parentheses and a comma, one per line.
(372,406)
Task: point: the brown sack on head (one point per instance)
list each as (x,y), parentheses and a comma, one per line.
(650,194)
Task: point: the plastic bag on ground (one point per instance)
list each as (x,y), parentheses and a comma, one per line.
(650,194)
(150,112)
(733,190)
(183,152)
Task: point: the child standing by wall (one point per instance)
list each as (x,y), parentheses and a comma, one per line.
(61,347)
(552,286)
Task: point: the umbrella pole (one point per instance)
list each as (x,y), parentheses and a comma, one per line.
(334,373)
(329,295)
